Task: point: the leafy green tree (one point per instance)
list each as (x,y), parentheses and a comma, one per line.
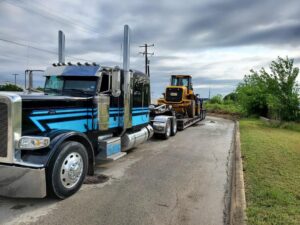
(282,82)
(230,97)
(252,94)
(271,94)
(216,99)
(10,87)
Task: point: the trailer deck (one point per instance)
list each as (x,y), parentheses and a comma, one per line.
(186,122)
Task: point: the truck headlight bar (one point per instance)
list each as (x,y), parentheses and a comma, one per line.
(33,142)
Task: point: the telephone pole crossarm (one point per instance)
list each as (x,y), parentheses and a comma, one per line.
(146,54)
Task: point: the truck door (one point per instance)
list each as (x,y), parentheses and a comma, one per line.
(103,103)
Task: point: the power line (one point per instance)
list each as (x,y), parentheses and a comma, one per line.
(28,46)
(71,20)
(40,49)
(50,15)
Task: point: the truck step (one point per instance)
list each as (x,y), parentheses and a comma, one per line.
(110,148)
(116,156)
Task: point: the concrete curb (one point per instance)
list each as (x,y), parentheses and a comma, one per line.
(237,215)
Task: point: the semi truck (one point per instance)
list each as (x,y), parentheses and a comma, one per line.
(48,142)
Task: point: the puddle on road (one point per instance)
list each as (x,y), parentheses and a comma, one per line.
(18,207)
(97,179)
(198,125)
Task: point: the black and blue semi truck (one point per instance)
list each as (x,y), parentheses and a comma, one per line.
(48,142)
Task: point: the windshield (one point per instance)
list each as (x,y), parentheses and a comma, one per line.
(58,85)
(179,81)
(54,84)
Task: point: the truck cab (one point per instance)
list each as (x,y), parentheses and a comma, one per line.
(49,141)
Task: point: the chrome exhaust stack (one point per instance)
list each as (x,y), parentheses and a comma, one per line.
(130,140)
(127,123)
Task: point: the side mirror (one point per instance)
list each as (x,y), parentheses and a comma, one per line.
(116,82)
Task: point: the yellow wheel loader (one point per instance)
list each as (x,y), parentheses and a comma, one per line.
(181,97)
(180,101)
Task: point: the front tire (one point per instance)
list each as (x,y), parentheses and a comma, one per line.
(67,170)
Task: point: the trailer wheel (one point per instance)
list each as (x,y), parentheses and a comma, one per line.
(168,129)
(174,128)
(67,170)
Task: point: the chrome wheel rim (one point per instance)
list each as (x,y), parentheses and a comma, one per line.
(71,170)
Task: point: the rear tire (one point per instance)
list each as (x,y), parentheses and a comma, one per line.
(174,128)
(168,130)
(67,170)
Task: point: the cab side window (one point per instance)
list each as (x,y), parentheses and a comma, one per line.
(105,83)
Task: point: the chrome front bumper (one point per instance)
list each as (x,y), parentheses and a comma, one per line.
(22,182)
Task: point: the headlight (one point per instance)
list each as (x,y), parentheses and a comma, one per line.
(31,143)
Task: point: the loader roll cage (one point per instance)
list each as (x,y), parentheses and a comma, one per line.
(181,80)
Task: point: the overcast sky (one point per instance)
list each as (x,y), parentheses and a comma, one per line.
(216,41)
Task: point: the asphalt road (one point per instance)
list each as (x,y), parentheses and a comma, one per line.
(183,180)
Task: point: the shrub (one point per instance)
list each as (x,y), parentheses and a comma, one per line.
(271,94)
(10,87)
(216,99)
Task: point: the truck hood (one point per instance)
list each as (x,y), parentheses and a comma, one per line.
(42,113)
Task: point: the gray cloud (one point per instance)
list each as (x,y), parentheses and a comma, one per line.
(216,41)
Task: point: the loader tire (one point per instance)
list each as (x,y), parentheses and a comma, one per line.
(191,109)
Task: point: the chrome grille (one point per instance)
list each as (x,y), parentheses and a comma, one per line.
(3,129)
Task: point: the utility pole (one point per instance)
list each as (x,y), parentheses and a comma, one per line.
(147,61)
(15,74)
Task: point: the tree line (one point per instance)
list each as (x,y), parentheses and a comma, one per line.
(273,93)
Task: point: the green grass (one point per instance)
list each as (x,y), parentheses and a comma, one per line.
(284,125)
(271,160)
(232,109)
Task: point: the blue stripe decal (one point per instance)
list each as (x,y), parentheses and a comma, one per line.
(115,120)
(39,112)
(137,120)
(77,125)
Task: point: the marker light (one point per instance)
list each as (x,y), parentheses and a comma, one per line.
(33,142)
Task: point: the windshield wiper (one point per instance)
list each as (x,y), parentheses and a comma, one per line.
(79,91)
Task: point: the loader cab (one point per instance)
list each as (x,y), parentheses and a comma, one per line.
(182,80)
